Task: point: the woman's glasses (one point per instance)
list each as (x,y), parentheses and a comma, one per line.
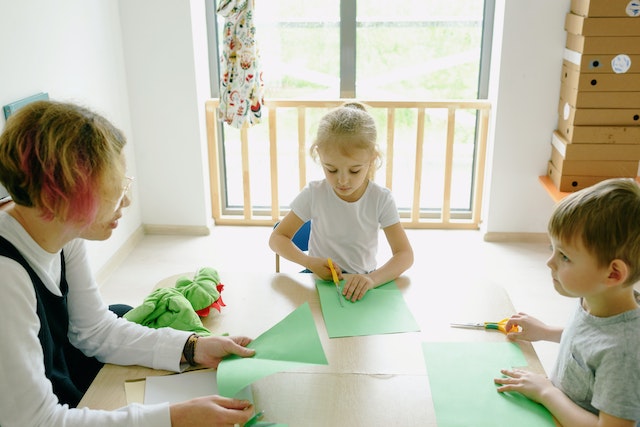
(126,186)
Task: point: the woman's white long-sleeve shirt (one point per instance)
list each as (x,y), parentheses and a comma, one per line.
(27,398)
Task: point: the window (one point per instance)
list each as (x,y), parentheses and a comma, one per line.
(370,50)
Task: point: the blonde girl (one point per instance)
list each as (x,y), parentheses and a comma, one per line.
(346,209)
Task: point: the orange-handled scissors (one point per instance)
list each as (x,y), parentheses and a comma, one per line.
(334,274)
(500,326)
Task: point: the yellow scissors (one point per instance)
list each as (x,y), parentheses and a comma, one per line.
(335,280)
(499,326)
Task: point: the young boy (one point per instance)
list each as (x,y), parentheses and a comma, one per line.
(595,237)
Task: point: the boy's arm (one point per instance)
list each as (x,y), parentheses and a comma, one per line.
(566,411)
(538,388)
(532,329)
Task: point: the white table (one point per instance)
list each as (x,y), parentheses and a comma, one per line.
(377,380)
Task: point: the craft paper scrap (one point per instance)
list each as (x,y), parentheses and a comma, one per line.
(134,390)
(382,310)
(292,342)
(461,380)
(188,385)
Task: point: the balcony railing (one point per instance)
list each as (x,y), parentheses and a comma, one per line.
(401,155)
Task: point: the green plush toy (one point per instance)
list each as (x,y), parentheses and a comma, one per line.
(167,307)
(181,307)
(203,291)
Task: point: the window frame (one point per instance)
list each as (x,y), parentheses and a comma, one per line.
(348,34)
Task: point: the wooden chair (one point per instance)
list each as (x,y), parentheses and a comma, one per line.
(300,239)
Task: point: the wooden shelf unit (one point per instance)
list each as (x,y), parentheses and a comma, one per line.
(555,194)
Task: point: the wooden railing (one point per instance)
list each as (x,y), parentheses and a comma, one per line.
(412,216)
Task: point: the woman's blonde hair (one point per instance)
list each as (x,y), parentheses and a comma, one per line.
(62,159)
(348,127)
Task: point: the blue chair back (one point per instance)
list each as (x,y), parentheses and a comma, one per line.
(301,238)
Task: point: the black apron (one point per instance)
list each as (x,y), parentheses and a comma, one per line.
(68,369)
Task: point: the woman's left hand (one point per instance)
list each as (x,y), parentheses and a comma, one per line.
(211,350)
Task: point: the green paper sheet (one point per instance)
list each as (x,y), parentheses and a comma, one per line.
(382,310)
(292,342)
(461,379)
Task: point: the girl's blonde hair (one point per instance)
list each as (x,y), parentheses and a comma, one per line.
(348,127)
(62,159)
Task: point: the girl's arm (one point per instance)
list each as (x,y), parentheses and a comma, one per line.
(281,243)
(401,258)
(281,239)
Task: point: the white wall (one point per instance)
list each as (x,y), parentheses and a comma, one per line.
(524,90)
(143,64)
(165,49)
(71,49)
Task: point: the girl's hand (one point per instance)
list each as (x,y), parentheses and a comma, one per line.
(211,411)
(320,267)
(527,383)
(356,286)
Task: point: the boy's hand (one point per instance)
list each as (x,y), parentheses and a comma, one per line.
(527,383)
(531,329)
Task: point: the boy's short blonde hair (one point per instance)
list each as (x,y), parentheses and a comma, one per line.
(606,219)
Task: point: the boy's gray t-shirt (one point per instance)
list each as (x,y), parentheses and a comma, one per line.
(598,364)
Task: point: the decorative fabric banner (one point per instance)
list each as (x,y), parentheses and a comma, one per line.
(241,86)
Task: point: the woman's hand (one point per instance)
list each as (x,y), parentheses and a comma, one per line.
(211,411)
(211,350)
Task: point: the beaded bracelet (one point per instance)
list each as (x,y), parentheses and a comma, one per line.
(189,350)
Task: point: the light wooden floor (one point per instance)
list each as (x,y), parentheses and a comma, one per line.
(442,258)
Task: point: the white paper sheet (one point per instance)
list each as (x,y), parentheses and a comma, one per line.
(180,387)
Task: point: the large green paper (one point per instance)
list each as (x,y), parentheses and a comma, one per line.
(292,342)
(461,379)
(382,310)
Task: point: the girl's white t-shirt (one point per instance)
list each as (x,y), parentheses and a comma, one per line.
(347,232)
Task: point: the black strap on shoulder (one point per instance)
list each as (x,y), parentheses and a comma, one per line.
(51,309)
